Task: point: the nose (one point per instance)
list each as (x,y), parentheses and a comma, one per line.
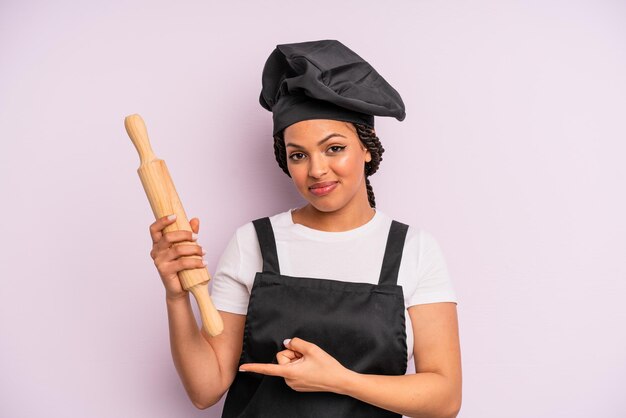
(318,166)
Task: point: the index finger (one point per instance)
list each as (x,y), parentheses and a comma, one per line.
(268,369)
(156,228)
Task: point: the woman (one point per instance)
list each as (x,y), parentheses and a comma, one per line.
(323,305)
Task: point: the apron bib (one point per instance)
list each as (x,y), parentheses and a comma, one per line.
(362,325)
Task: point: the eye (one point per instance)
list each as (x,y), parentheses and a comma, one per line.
(336,148)
(296,156)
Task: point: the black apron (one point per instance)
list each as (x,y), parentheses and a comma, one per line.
(362,325)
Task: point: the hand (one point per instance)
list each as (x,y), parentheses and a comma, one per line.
(169,259)
(305,368)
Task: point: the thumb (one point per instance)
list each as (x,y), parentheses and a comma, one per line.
(299,345)
(195,224)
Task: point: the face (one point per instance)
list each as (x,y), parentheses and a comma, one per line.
(326,161)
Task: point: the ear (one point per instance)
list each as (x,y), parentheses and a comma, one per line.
(368,156)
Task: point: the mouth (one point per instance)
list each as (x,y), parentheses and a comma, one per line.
(323,188)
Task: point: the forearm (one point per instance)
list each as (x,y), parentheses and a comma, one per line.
(194,358)
(420,395)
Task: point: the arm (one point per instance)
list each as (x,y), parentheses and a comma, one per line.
(206,365)
(434,391)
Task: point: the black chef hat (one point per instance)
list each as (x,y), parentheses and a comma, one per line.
(325,80)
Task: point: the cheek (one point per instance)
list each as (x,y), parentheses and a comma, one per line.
(348,165)
(298,173)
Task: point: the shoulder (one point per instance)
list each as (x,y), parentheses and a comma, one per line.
(415,234)
(423,270)
(419,242)
(246,232)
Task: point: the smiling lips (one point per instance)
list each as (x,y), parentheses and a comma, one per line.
(321,189)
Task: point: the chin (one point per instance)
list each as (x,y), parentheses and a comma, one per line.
(326,205)
(324,208)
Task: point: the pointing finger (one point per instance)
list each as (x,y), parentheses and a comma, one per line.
(267,369)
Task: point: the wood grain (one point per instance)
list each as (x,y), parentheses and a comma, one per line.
(164,200)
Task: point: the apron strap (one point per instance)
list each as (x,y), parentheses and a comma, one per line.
(265,233)
(393,253)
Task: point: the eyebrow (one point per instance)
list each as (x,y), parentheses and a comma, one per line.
(326,138)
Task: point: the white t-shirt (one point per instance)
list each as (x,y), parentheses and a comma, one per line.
(350,256)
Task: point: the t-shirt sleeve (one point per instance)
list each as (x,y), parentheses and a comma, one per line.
(228,293)
(433,282)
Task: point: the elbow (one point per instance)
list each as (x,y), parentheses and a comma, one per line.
(450,412)
(207,396)
(454,408)
(455,400)
(449,408)
(199,402)
(204,401)
(200,405)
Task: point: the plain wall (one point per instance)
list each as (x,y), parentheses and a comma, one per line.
(511,155)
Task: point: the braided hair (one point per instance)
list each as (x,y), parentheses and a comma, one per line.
(368,138)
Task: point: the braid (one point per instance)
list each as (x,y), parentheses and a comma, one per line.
(372,143)
(280,152)
(368,138)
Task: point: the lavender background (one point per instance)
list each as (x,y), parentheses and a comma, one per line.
(512,155)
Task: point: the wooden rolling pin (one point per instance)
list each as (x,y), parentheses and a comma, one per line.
(164,200)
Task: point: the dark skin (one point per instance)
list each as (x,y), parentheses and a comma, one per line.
(207,365)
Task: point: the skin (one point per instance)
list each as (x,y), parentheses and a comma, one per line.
(207,365)
(313,156)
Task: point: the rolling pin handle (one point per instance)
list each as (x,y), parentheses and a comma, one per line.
(138,133)
(211,320)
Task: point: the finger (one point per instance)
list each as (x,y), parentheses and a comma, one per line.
(188,263)
(183,250)
(170,238)
(267,369)
(172,268)
(195,224)
(156,228)
(287,357)
(299,345)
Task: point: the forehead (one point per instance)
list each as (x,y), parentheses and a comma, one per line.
(314,129)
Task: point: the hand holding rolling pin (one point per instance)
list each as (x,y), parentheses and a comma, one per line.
(170,259)
(173,240)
